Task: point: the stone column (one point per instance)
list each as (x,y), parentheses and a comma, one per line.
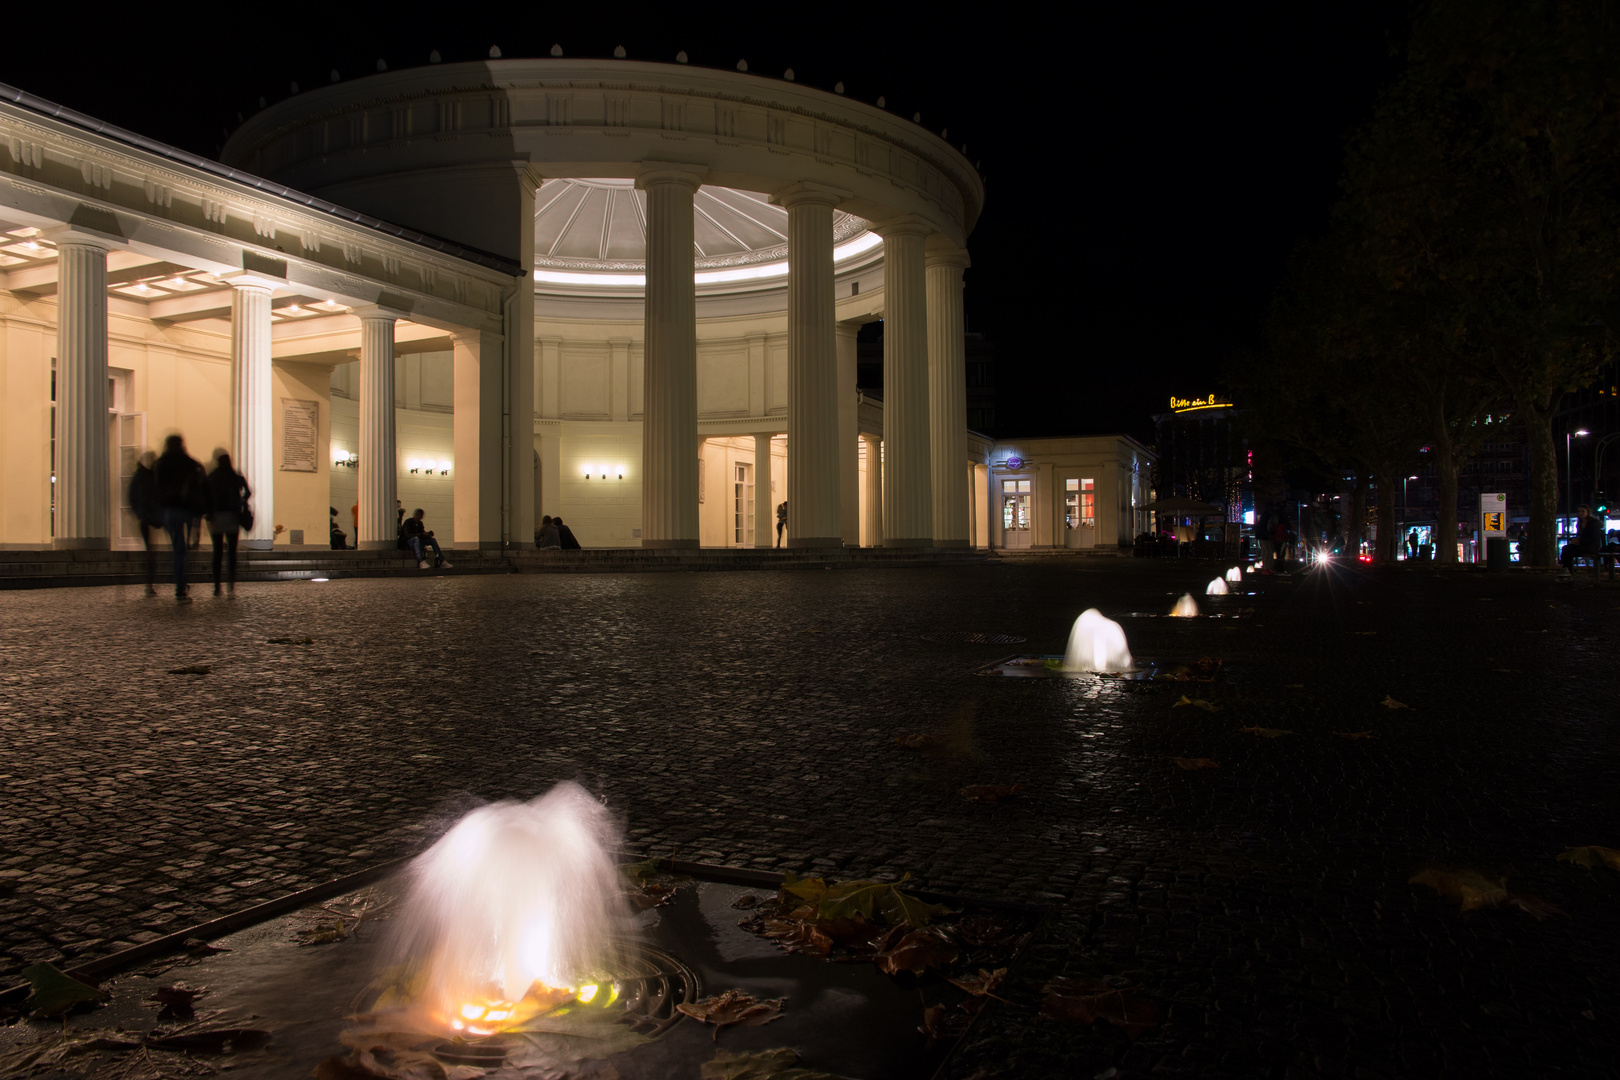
(764,504)
(947,392)
(874,489)
(814,514)
(83,488)
(476,429)
(253,444)
(849,452)
(379,471)
(669,509)
(908,516)
(518,315)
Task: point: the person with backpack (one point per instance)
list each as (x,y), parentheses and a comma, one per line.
(228,496)
(182,497)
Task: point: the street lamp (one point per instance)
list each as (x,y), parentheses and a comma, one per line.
(1569,475)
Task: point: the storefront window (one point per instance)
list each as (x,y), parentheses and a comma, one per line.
(1015,505)
(1079,504)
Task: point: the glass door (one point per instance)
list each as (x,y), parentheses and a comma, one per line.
(1080,513)
(742,507)
(1015,513)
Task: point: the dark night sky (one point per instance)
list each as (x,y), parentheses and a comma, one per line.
(1148,167)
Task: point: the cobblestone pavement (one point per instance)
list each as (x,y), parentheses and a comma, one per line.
(749,719)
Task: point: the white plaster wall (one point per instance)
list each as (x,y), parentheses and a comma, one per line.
(424,431)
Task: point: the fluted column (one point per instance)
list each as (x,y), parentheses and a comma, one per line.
(378,468)
(814,516)
(764,503)
(908,516)
(849,451)
(251,412)
(874,489)
(947,392)
(669,509)
(83,488)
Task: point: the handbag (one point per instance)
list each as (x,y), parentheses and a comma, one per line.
(245,515)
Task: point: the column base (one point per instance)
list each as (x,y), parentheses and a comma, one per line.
(955,544)
(262,545)
(901,542)
(82,543)
(380,545)
(670,545)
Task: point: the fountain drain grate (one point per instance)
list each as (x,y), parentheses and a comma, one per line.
(972,637)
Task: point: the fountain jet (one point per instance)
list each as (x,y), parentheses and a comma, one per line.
(1216,588)
(1097,643)
(516,906)
(1186,607)
(1235,574)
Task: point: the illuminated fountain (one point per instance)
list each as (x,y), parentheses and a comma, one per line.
(516,910)
(1097,643)
(1235,574)
(1186,607)
(1217,587)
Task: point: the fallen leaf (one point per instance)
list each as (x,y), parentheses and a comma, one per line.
(1190,763)
(1475,891)
(1267,732)
(191,669)
(199,947)
(1391,703)
(55,992)
(1197,703)
(322,933)
(872,900)
(1085,1001)
(745,902)
(383,1062)
(778,1064)
(177,1000)
(941,1023)
(917,741)
(916,951)
(990,793)
(215,1041)
(733,1008)
(982,984)
(1356,734)
(1593,856)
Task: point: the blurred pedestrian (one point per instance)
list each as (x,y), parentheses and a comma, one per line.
(547,537)
(339,541)
(781,521)
(418,538)
(182,496)
(565,535)
(228,495)
(148,515)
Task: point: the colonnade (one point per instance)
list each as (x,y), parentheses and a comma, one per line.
(924,502)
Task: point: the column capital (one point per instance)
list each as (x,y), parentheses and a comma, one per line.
(652,173)
(906,225)
(374,312)
(806,193)
(88,226)
(72,236)
(939,251)
(249,279)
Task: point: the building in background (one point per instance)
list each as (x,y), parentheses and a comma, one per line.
(1201,455)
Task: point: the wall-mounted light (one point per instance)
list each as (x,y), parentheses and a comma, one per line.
(587,472)
(348,459)
(444,468)
(415,465)
(621,472)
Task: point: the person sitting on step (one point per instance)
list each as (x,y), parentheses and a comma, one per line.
(419,538)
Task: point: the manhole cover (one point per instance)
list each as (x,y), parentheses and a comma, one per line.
(973,637)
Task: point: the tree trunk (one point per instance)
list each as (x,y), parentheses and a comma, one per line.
(1385,550)
(1443,453)
(1358,516)
(1538,438)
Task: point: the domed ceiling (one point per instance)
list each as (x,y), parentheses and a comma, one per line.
(601,225)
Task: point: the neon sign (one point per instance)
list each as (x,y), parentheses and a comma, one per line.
(1208,401)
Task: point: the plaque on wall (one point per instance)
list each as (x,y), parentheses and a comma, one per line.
(300,430)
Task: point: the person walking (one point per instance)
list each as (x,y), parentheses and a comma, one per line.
(182,497)
(565,535)
(228,495)
(781,521)
(418,538)
(148,515)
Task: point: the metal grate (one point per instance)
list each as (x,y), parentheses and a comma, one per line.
(972,637)
(653,983)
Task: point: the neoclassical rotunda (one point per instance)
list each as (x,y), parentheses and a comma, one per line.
(702,247)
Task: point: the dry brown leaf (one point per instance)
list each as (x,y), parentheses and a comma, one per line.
(1085,1001)
(942,1023)
(920,740)
(1356,734)
(1267,732)
(1475,891)
(734,1008)
(1592,856)
(1391,703)
(1197,703)
(982,984)
(1195,763)
(990,793)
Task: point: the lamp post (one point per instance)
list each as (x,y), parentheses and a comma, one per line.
(1569,475)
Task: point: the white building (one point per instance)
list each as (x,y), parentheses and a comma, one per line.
(619,292)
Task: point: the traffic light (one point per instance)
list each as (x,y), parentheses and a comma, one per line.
(1601,502)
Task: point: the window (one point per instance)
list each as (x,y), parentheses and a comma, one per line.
(1079,504)
(1015,505)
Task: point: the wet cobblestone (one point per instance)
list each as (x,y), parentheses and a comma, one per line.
(749,719)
